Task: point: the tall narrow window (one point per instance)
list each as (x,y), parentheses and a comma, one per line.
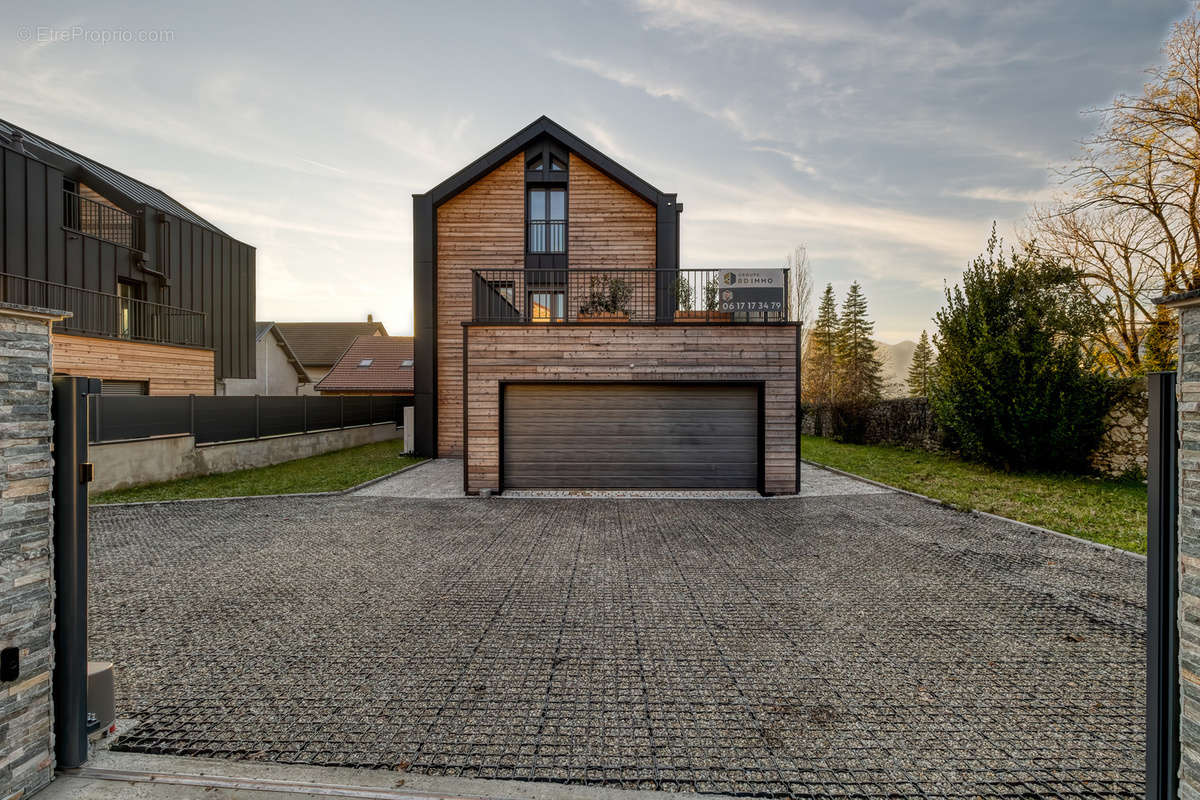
(130,311)
(547,220)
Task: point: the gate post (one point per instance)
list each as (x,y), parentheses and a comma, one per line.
(71,476)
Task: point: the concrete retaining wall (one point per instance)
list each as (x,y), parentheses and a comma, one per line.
(122,464)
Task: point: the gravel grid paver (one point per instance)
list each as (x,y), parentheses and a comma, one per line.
(844,646)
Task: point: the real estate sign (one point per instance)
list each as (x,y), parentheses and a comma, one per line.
(755,290)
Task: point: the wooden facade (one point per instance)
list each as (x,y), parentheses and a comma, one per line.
(617,225)
(482,227)
(165,369)
(635,353)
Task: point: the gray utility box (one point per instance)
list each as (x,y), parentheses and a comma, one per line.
(101,704)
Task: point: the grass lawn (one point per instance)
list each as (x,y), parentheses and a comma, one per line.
(324,473)
(1107,511)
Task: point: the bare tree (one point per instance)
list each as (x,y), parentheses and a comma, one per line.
(1121,263)
(800,289)
(1145,162)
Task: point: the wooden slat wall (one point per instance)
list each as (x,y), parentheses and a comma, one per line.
(607,225)
(481,228)
(632,353)
(169,370)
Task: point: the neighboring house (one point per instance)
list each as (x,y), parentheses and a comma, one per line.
(277,369)
(549,300)
(380,365)
(161,300)
(318,345)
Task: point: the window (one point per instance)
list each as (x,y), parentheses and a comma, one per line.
(129,310)
(556,165)
(366,362)
(547,220)
(408,362)
(547,306)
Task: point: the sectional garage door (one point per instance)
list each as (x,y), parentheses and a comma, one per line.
(630,436)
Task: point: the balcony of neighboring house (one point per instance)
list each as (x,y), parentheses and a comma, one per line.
(615,295)
(87,212)
(123,315)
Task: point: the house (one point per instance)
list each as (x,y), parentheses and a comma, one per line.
(161,300)
(373,365)
(277,368)
(318,345)
(560,345)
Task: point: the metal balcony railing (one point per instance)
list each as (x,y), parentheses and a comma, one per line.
(95,313)
(102,221)
(547,236)
(578,294)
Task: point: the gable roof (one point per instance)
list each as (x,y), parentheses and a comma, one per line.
(105,179)
(390,368)
(318,344)
(261,329)
(542,126)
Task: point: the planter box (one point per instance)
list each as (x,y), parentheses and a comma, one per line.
(703,316)
(603,316)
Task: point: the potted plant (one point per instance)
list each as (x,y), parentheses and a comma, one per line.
(685,296)
(608,300)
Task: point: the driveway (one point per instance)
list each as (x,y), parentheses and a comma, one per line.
(865,644)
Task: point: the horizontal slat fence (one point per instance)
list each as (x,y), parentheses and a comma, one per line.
(114,418)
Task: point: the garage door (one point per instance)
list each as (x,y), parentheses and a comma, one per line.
(630,436)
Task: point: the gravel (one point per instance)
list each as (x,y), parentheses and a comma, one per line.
(871,645)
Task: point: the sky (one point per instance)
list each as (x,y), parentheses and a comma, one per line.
(885,137)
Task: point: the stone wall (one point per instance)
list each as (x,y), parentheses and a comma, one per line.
(909,422)
(26,594)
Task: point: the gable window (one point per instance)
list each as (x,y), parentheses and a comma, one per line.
(547,216)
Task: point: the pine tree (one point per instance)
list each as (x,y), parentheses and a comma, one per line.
(920,372)
(858,367)
(820,362)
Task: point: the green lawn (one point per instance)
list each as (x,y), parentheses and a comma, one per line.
(324,473)
(1107,511)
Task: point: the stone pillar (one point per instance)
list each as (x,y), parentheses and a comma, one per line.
(26,593)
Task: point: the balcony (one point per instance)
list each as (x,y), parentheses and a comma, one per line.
(102,221)
(110,316)
(577,294)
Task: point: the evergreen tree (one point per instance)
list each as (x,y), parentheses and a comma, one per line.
(1011,383)
(920,372)
(858,367)
(820,362)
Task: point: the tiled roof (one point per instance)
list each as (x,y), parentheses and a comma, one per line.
(318,344)
(388,366)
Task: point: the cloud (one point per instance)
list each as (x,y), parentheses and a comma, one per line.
(999,194)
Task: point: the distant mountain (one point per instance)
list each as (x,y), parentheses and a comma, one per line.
(896,358)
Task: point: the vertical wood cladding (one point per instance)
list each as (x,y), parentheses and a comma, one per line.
(167,369)
(481,227)
(607,225)
(208,271)
(662,353)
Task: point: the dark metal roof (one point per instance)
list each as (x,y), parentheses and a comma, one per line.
(542,126)
(108,178)
(1179,297)
(318,344)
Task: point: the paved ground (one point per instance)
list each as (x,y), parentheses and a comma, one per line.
(437,478)
(847,644)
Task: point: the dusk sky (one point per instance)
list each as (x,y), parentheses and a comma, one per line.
(884,136)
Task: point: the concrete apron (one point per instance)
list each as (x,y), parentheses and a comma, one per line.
(135,776)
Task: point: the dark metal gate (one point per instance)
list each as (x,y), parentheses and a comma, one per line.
(1162,593)
(72,472)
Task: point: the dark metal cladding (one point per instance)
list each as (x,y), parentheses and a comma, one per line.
(182,260)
